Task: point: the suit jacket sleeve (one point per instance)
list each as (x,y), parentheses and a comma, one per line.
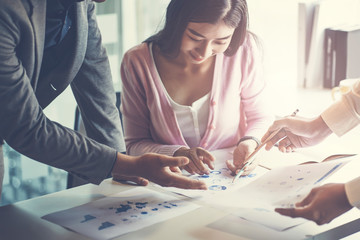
(94,91)
(24,126)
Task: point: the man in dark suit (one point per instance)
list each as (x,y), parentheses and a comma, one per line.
(46,45)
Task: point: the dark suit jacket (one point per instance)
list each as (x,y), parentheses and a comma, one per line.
(23,95)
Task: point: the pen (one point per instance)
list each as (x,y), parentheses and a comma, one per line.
(251,158)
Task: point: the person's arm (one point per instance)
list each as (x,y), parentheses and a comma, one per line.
(352,189)
(298,132)
(344,115)
(254,95)
(94,91)
(23,124)
(135,107)
(253,104)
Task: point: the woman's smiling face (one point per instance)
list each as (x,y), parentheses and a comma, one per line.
(201,41)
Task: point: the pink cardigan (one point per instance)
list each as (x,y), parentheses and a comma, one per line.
(237,104)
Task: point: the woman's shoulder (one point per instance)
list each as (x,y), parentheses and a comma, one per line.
(140,51)
(251,46)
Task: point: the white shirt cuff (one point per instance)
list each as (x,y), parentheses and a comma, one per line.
(339,117)
(352,189)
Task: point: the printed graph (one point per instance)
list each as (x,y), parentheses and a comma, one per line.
(124,212)
(283,187)
(219,183)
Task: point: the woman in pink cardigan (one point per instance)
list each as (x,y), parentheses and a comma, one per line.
(196,86)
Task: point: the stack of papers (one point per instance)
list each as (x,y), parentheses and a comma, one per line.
(252,198)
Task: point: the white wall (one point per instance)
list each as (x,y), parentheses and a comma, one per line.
(275,22)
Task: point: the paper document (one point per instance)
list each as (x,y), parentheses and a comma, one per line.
(274,158)
(220,180)
(258,216)
(280,187)
(121,213)
(283,187)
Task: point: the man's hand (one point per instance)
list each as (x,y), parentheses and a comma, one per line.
(160,169)
(322,205)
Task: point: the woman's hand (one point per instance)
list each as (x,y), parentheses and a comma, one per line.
(297,132)
(241,153)
(198,158)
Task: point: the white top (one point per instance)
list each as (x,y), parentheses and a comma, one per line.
(192,120)
(341,117)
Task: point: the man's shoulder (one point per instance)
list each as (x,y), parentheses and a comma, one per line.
(9,3)
(21,9)
(11,7)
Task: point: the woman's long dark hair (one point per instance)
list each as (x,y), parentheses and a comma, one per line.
(180,12)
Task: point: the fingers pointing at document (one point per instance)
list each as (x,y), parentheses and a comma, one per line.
(296,132)
(198,158)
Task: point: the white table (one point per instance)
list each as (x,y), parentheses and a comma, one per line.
(22,220)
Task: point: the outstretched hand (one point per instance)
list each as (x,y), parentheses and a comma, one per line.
(296,132)
(322,205)
(161,169)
